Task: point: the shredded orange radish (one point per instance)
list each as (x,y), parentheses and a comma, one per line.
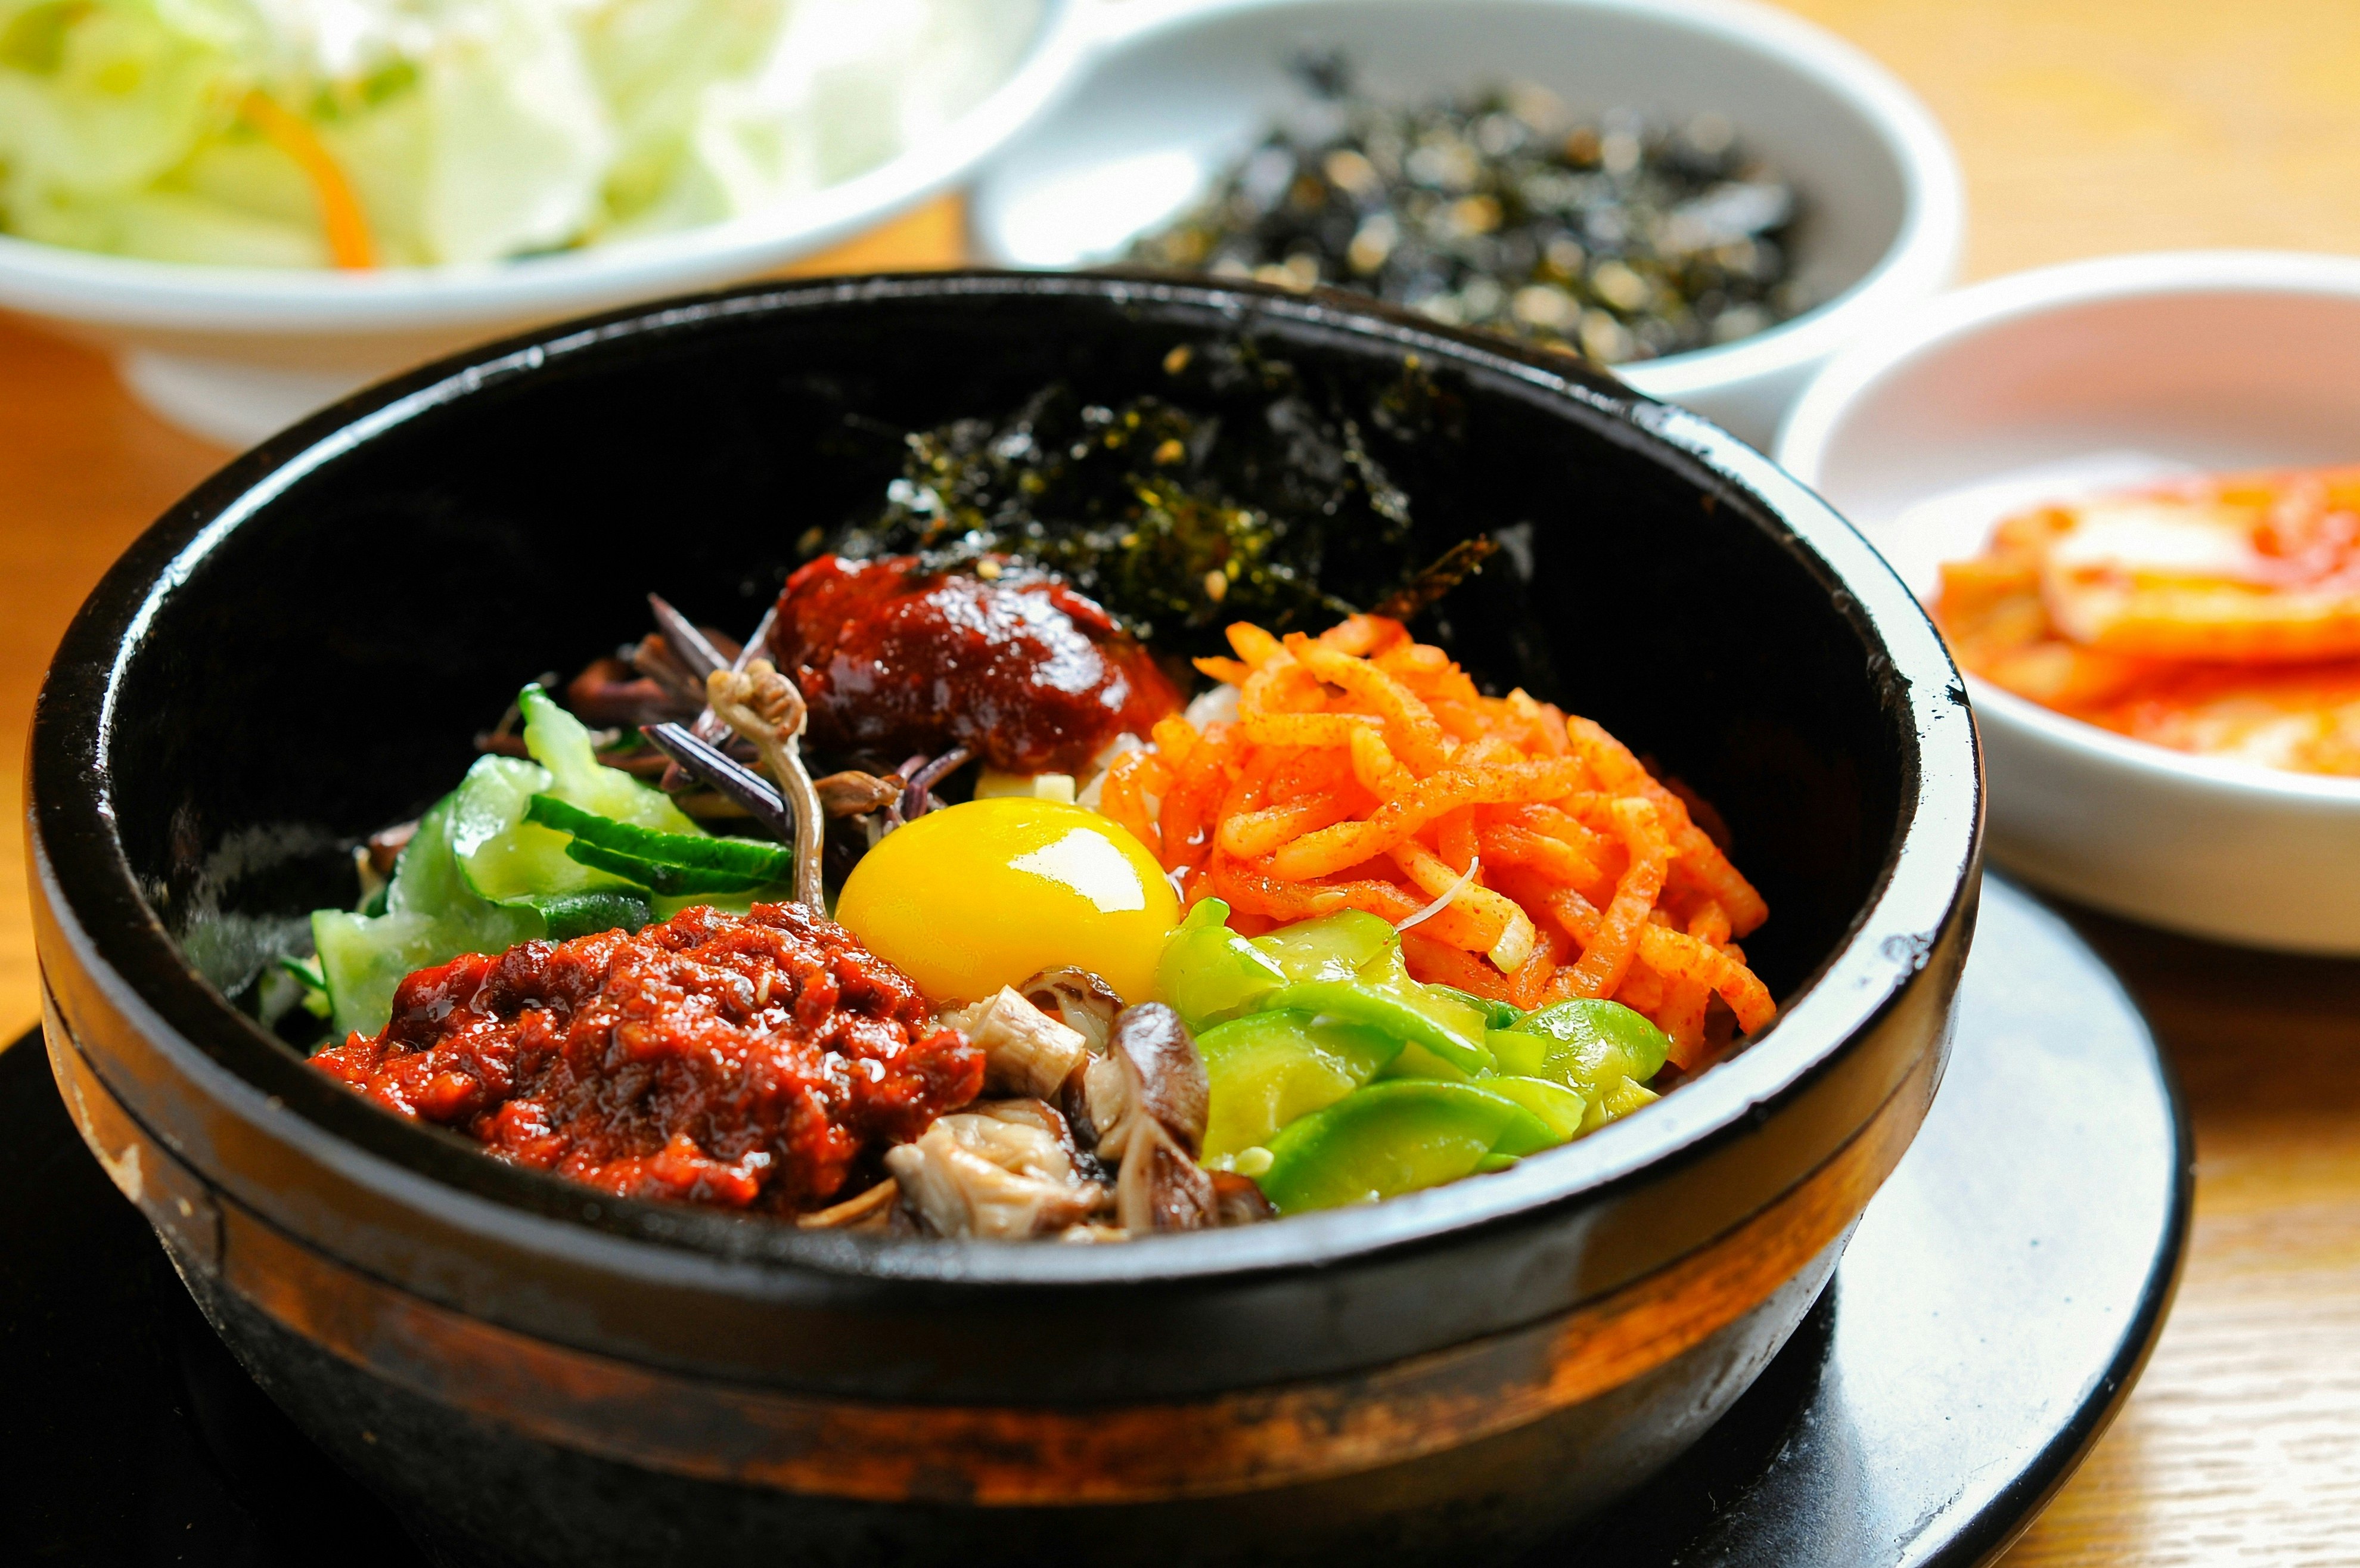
(1524,855)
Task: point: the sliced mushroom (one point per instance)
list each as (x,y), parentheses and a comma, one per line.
(764,706)
(1093,1098)
(1045,1116)
(385,846)
(1160,1124)
(1091,1231)
(1238,1201)
(658,659)
(1025,1051)
(372,880)
(1001,1170)
(1077,999)
(1021,1134)
(494,743)
(870,1211)
(1084,1002)
(1161,1186)
(1163,1079)
(856,794)
(609,691)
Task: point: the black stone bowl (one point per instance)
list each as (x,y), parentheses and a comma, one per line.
(532,1373)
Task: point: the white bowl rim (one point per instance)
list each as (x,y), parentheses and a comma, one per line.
(1924,252)
(2231,782)
(99,290)
(1853,377)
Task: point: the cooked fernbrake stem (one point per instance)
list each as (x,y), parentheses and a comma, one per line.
(692,646)
(654,659)
(764,706)
(725,775)
(708,725)
(917,797)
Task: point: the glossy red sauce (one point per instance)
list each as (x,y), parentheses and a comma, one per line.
(1022,670)
(742,1061)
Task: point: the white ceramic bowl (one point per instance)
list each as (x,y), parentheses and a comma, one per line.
(2077,376)
(1184,87)
(236,353)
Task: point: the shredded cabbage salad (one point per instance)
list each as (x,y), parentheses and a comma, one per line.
(372,132)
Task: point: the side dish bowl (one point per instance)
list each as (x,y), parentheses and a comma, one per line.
(234,353)
(2109,372)
(536,1372)
(1179,89)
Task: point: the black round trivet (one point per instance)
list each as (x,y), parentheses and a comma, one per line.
(1998,1301)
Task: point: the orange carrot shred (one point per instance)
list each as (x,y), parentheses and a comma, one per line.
(341,217)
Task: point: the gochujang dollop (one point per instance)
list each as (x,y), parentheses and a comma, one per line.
(741,1060)
(894,657)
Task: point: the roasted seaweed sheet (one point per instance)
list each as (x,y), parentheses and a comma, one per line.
(1233,492)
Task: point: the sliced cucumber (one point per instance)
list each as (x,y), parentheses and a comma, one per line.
(741,857)
(571,915)
(479,878)
(505,858)
(515,852)
(559,742)
(431,916)
(670,880)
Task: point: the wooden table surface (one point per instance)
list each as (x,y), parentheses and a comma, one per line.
(2085,127)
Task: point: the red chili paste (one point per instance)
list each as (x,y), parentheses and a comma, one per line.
(1017,667)
(741,1060)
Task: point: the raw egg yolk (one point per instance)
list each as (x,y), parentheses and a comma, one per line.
(976,896)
